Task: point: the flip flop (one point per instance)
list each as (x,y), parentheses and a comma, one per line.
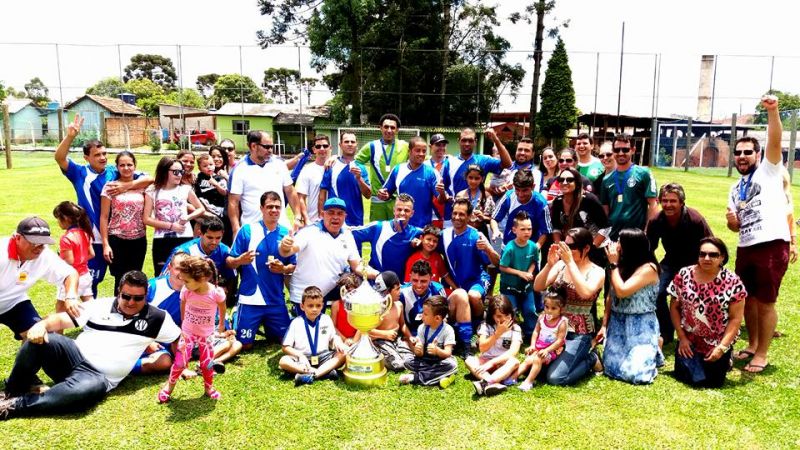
(742,355)
(777,334)
(758,368)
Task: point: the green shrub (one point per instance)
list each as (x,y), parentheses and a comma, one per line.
(155,141)
(172,146)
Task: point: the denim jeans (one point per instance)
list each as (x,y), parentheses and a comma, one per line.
(525,304)
(666,329)
(78,385)
(573,363)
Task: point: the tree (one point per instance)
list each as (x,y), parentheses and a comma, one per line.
(11,92)
(205,84)
(787,102)
(235,88)
(186,97)
(148,95)
(157,68)
(3,92)
(37,91)
(558,112)
(107,87)
(276,83)
(307,84)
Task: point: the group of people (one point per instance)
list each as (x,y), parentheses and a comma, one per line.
(559,235)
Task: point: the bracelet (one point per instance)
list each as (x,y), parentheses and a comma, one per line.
(724,348)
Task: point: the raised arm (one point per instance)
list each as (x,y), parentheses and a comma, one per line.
(774,129)
(63,147)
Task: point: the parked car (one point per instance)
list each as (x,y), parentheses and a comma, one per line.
(197,137)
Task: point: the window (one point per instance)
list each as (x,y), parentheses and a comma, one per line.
(241,127)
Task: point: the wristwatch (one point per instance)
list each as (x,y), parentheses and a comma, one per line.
(612,266)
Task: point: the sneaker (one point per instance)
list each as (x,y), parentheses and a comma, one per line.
(447,381)
(525,386)
(480,387)
(406,378)
(510,381)
(218,368)
(303,378)
(7,406)
(333,375)
(494,389)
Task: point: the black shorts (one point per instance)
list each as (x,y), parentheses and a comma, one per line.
(20,318)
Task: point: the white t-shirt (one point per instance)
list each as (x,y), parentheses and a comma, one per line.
(308,184)
(297,338)
(169,205)
(321,259)
(503,343)
(112,344)
(762,212)
(16,278)
(250,181)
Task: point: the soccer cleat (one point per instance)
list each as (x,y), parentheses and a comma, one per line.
(494,389)
(7,406)
(303,378)
(447,381)
(480,387)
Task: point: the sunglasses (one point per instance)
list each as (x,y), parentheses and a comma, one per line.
(621,149)
(605,155)
(321,145)
(712,255)
(566,160)
(566,180)
(177,172)
(265,146)
(743,152)
(129,297)
(228,149)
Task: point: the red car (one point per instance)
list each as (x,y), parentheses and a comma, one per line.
(198,137)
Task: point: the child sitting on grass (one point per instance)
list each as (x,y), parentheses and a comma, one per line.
(547,341)
(346,332)
(499,340)
(313,349)
(387,336)
(433,361)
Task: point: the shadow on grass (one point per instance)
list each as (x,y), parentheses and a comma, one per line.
(184,410)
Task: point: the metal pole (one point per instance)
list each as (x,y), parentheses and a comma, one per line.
(771,72)
(655,75)
(241,85)
(792,145)
(58,68)
(732,144)
(653,141)
(300,89)
(658,85)
(688,144)
(124,120)
(713,91)
(7,135)
(596,83)
(619,90)
(180,94)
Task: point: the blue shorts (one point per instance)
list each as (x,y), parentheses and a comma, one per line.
(97,267)
(249,318)
(20,318)
(481,285)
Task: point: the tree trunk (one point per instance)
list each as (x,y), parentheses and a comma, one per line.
(446,6)
(541,10)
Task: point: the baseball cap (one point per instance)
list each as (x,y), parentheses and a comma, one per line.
(35,230)
(386,281)
(438,137)
(334,203)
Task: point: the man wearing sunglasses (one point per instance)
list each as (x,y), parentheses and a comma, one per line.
(628,195)
(115,333)
(257,173)
(757,211)
(310,178)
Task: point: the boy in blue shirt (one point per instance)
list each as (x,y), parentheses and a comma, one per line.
(522,198)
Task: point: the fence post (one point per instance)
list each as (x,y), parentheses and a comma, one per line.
(653,142)
(688,144)
(732,144)
(101,123)
(7,135)
(792,145)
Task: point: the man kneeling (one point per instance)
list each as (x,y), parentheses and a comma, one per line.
(115,333)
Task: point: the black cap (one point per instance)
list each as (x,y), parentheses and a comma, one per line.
(35,230)
(438,137)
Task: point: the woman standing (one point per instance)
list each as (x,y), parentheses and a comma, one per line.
(632,353)
(166,209)
(220,159)
(549,168)
(569,269)
(121,223)
(186,157)
(576,208)
(707,310)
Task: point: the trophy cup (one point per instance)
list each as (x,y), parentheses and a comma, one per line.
(364,308)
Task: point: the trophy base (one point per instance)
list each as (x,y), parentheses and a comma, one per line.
(365,372)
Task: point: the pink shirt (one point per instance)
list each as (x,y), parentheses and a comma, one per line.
(125,215)
(200,310)
(76,241)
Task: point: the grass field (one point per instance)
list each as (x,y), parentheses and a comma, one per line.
(261,409)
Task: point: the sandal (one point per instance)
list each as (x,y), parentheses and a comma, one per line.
(755,368)
(742,355)
(163,395)
(213,394)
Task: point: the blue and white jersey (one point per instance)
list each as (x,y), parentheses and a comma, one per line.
(464,260)
(420,184)
(259,286)
(390,249)
(508,207)
(88,185)
(162,295)
(346,188)
(412,303)
(194,248)
(455,180)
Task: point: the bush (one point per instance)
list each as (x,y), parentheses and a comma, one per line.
(155,140)
(172,146)
(83,136)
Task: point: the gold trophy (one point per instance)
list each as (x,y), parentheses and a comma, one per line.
(365,307)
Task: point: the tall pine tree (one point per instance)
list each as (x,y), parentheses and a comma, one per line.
(558,112)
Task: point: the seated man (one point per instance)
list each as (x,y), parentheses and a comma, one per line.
(115,333)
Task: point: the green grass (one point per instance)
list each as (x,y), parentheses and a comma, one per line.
(262,409)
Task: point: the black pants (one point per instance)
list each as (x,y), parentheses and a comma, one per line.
(162,248)
(79,386)
(666,329)
(697,372)
(128,255)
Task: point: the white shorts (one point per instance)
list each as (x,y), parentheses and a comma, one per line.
(84,287)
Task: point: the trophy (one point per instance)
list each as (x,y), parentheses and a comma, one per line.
(364,308)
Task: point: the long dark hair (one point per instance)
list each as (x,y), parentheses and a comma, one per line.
(75,216)
(223,154)
(481,187)
(634,252)
(542,168)
(162,171)
(577,196)
(497,303)
(581,239)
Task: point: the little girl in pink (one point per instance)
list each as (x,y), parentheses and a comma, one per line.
(547,341)
(200,302)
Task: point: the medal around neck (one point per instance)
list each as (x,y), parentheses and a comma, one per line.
(365,308)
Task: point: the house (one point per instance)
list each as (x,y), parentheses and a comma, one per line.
(26,121)
(116,123)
